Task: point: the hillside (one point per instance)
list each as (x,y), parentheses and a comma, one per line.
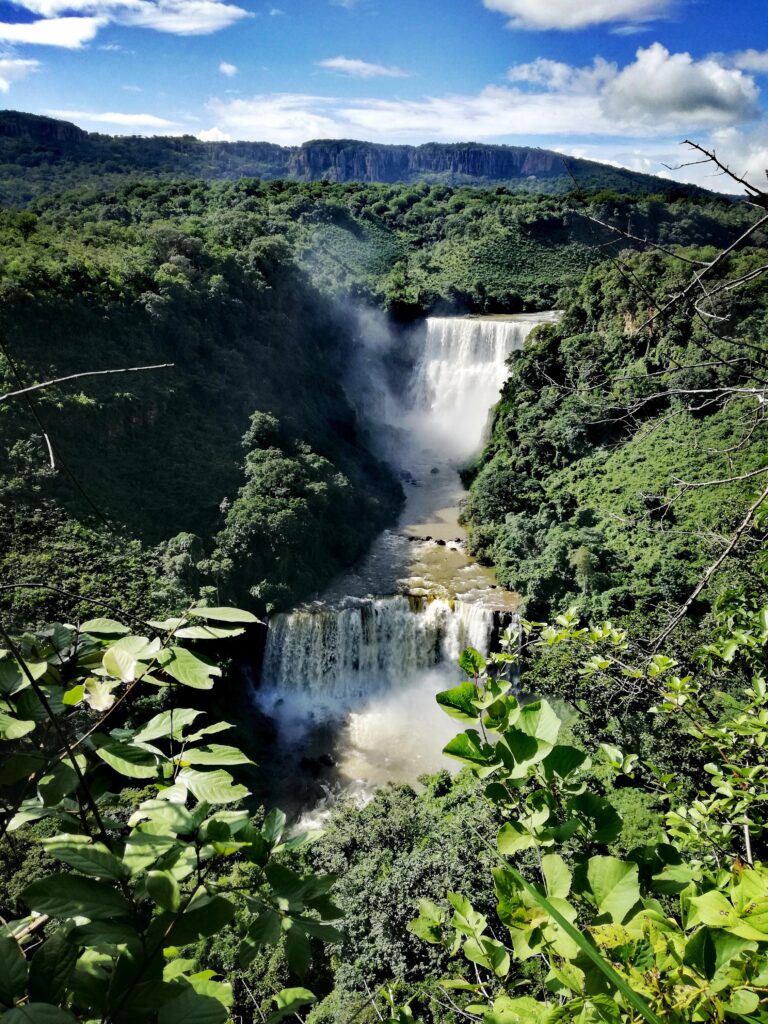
(39,153)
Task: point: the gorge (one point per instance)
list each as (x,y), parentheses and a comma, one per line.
(345,675)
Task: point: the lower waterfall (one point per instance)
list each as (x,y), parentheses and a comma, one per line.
(340,655)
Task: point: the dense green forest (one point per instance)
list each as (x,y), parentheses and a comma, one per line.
(250,289)
(600,857)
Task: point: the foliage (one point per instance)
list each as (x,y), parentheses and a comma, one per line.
(578,495)
(104,938)
(673,931)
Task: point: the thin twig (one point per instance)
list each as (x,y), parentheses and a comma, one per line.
(78,376)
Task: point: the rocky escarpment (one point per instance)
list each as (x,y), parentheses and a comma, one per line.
(44,143)
(41,130)
(369,162)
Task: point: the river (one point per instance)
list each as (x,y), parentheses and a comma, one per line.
(350,679)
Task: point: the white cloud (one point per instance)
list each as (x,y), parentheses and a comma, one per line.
(179,17)
(114,119)
(660,90)
(70,33)
(230,70)
(214,135)
(361,68)
(657,94)
(576,14)
(751,60)
(672,90)
(13,69)
(557,77)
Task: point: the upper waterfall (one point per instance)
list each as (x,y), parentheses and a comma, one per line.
(458,378)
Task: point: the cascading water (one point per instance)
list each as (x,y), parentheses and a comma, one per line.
(458,378)
(342,655)
(371,664)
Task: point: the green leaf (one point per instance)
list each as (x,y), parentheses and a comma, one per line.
(13,971)
(88,857)
(130,760)
(273,826)
(64,895)
(523,1010)
(289,1001)
(428,926)
(212,787)
(266,930)
(206,915)
(587,948)
(470,749)
(38,1013)
(104,627)
(489,954)
(297,949)
(223,614)
(190,669)
(615,886)
(208,632)
(192,1008)
(513,838)
(14,728)
(99,695)
(743,1002)
(214,753)
(167,724)
(21,766)
(472,662)
(164,890)
(458,702)
(51,968)
(59,782)
(100,933)
(598,816)
(120,664)
(557,875)
(73,696)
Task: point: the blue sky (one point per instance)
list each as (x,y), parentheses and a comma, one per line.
(617,80)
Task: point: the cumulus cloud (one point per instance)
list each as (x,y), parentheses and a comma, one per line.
(558,77)
(663,90)
(657,93)
(751,60)
(71,23)
(576,14)
(361,68)
(674,90)
(230,70)
(14,69)
(69,33)
(214,135)
(114,119)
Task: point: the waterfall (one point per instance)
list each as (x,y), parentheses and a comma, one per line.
(357,674)
(339,655)
(458,378)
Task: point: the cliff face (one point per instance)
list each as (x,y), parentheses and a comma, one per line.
(28,141)
(368,162)
(39,130)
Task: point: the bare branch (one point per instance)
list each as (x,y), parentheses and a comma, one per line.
(724,480)
(710,571)
(78,376)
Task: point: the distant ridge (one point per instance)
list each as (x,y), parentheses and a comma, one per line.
(53,149)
